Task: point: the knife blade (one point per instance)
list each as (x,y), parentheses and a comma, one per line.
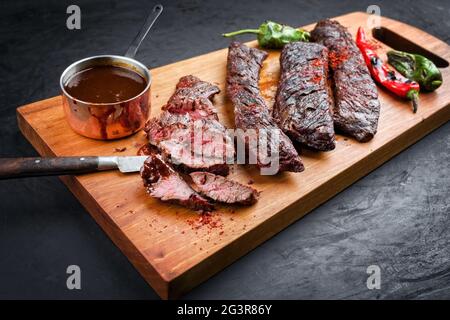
(126,164)
(50,166)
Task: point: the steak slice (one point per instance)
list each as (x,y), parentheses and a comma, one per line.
(200,145)
(303,103)
(357,107)
(194,97)
(188,132)
(163,182)
(222,189)
(251,113)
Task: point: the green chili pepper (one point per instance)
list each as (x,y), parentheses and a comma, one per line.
(416,68)
(274,35)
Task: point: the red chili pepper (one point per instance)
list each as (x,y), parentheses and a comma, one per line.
(386,76)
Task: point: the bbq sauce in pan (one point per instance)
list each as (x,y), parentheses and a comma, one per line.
(105,84)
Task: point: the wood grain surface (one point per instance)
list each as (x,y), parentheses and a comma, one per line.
(168,244)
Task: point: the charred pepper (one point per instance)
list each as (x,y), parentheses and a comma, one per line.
(274,35)
(417,68)
(387,77)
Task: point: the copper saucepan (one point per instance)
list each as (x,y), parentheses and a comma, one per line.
(108,121)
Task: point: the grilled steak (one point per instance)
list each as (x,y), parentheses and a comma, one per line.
(194,97)
(303,104)
(222,189)
(163,182)
(188,132)
(357,107)
(251,112)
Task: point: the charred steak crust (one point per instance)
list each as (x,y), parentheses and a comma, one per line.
(357,107)
(251,112)
(303,103)
(188,132)
(163,182)
(221,189)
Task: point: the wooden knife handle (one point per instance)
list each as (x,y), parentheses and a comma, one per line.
(31,167)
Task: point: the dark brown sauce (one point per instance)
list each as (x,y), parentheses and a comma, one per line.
(105,84)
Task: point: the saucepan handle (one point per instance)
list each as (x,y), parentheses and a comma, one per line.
(152,17)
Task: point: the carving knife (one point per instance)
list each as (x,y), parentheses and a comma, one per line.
(31,167)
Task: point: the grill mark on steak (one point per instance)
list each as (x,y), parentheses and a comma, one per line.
(221,189)
(243,68)
(188,132)
(163,182)
(303,103)
(357,107)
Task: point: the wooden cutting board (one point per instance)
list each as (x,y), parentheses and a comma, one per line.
(169,245)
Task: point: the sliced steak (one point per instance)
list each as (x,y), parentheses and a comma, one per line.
(251,112)
(194,97)
(163,182)
(357,107)
(222,189)
(188,132)
(303,104)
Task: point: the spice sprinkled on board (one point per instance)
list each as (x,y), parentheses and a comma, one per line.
(211,221)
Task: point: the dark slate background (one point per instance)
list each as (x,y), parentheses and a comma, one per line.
(397,217)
